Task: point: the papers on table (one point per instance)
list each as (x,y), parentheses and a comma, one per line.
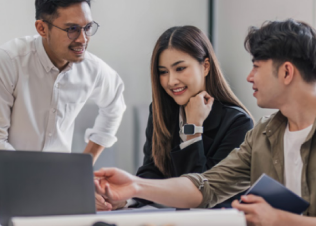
(226,217)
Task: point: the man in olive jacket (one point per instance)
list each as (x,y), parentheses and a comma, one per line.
(282,145)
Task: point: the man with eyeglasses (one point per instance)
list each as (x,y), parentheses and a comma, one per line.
(45,81)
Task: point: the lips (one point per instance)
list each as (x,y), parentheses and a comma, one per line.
(179,90)
(78,49)
(255,90)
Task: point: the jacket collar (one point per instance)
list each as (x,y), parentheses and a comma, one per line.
(279,121)
(274,131)
(214,118)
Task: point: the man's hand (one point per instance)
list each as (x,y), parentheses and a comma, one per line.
(257,211)
(198,108)
(102,204)
(115,186)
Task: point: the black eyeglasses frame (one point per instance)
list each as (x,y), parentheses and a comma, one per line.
(69,33)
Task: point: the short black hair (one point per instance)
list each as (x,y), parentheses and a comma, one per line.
(47,9)
(282,41)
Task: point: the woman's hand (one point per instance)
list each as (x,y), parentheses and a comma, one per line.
(198,108)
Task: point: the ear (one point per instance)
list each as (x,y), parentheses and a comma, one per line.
(42,28)
(286,72)
(207,66)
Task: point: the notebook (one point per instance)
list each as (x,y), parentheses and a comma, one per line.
(277,195)
(42,184)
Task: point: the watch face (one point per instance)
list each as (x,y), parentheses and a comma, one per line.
(188,129)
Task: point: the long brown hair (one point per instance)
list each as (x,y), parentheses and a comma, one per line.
(190,40)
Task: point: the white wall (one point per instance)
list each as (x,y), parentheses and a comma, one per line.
(128,32)
(232,19)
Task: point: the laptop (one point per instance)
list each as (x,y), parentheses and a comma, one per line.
(42,184)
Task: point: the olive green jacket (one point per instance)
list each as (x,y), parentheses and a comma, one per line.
(261,152)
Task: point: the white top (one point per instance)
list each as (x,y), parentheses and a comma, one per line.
(293,163)
(39,104)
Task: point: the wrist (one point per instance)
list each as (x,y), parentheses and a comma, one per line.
(191,129)
(197,123)
(190,137)
(139,186)
(281,218)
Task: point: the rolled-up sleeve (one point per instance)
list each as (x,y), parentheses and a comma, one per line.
(7,86)
(228,178)
(108,95)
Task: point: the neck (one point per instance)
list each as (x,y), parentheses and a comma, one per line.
(300,111)
(60,64)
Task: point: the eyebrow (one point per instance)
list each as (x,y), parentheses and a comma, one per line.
(174,64)
(73,24)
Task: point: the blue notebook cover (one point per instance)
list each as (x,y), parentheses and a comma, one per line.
(277,195)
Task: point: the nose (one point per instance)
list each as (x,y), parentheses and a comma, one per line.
(173,79)
(82,38)
(250,77)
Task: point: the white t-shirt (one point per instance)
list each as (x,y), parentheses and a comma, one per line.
(292,158)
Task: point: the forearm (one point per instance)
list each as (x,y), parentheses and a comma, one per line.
(290,219)
(175,192)
(4,145)
(94,149)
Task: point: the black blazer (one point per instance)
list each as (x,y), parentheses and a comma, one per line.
(224,129)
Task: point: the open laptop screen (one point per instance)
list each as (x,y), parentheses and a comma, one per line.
(41,183)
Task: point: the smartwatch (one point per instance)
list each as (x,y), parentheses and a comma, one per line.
(191,129)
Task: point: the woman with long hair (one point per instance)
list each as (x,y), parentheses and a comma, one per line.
(195,119)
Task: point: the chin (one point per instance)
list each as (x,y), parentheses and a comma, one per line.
(264,105)
(181,102)
(77,60)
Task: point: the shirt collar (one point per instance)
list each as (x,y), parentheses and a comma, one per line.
(43,57)
(277,120)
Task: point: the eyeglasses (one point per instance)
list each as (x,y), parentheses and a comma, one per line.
(74,31)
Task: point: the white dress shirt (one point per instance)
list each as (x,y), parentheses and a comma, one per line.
(293,163)
(39,104)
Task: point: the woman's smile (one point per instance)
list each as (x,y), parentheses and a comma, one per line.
(179,90)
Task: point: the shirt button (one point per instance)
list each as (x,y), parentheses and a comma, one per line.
(57,86)
(53,110)
(269,131)
(275,161)
(50,134)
